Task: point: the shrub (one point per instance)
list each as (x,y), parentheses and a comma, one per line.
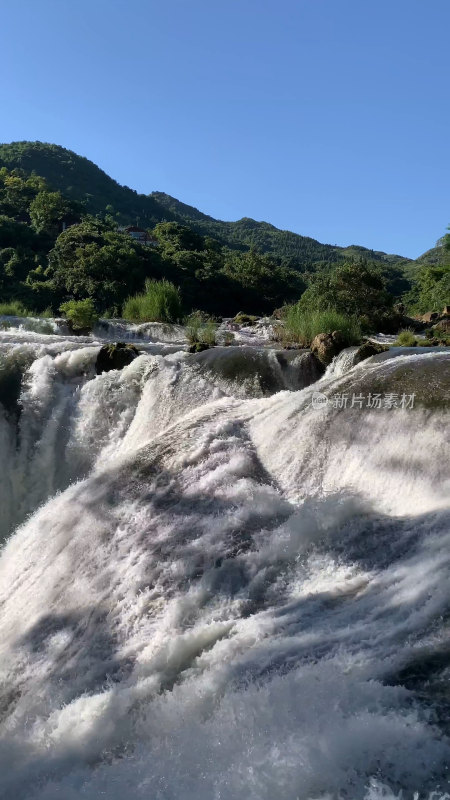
(80,314)
(161,302)
(14,309)
(302,326)
(406,338)
(200,329)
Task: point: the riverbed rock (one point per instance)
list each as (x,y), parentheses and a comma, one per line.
(116,355)
(327,345)
(369,349)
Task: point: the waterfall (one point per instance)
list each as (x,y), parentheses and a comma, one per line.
(224,576)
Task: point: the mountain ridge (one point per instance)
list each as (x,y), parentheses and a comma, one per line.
(80,179)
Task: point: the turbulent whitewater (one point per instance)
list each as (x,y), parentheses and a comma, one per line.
(213,587)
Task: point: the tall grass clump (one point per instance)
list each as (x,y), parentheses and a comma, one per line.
(200,329)
(301,326)
(406,338)
(14,309)
(161,302)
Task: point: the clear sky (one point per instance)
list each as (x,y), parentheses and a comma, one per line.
(330,118)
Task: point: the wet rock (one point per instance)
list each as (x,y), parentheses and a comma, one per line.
(259,371)
(327,345)
(115,356)
(369,349)
(427,379)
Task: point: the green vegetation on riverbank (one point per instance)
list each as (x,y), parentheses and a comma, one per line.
(161,302)
(302,326)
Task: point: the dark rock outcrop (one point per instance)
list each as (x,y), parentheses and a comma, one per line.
(443,326)
(327,345)
(369,349)
(394,321)
(115,356)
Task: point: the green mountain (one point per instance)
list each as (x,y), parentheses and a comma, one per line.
(291,247)
(80,179)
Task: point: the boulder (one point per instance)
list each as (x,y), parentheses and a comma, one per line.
(443,325)
(369,349)
(430,316)
(116,355)
(410,322)
(327,345)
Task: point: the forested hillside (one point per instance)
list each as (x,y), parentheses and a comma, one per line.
(62,239)
(79,179)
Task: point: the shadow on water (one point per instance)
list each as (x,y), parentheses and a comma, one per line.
(305,630)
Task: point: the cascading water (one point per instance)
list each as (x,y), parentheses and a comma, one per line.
(233,590)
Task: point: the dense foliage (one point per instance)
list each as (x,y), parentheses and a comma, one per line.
(354,288)
(91,260)
(80,314)
(432,289)
(52,251)
(79,179)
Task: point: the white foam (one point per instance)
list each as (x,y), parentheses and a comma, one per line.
(217,609)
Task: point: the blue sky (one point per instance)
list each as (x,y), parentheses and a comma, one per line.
(326,117)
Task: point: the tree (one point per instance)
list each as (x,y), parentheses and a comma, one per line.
(432,289)
(47,210)
(354,288)
(260,284)
(173,237)
(91,260)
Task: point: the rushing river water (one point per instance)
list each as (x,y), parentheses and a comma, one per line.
(224,577)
